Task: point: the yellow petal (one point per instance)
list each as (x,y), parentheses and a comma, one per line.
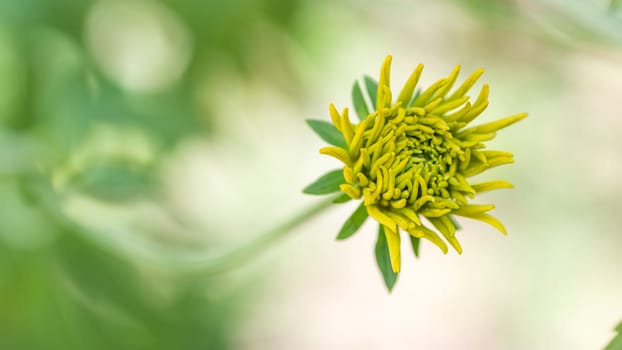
(458,114)
(447,229)
(393,241)
(381,217)
(475,168)
(357,139)
(492,185)
(338,153)
(490,220)
(411,215)
(385,76)
(448,106)
(496,125)
(421,201)
(450,82)
(398,204)
(400,220)
(478,106)
(334,116)
(433,104)
(424,232)
(348,175)
(427,94)
(408,89)
(363,181)
(473,209)
(346,126)
(464,88)
(353,192)
(434,213)
(387,97)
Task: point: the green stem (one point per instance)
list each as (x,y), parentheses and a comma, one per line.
(181,262)
(209,266)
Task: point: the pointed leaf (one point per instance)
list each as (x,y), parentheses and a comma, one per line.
(327,132)
(616,342)
(360,106)
(372,89)
(354,222)
(414,242)
(454,222)
(417,93)
(327,183)
(342,199)
(384,260)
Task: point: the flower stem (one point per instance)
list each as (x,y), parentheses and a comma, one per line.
(177,262)
(236,257)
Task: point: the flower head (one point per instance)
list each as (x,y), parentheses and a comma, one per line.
(411,158)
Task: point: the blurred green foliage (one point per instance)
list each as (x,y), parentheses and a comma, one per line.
(579,21)
(72,126)
(69,128)
(616,343)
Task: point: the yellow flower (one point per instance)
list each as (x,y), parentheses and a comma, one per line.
(412,157)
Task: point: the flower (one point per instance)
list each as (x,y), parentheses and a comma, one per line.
(412,157)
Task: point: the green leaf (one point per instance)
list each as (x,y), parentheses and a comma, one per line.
(372,89)
(417,93)
(354,222)
(414,241)
(342,199)
(360,106)
(616,342)
(454,222)
(327,183)
(328,132)
(384,260)
(115,180)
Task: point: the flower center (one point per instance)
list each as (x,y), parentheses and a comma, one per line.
(407,158)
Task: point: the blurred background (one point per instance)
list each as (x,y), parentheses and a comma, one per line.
(136,135)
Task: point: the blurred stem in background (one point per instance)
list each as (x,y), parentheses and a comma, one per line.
(180,262)
(207,266)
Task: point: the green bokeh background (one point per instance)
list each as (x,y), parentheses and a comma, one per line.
(138,134)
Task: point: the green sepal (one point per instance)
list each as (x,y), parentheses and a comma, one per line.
(616,342)
(343,198)
(417,93)
(414,242)
(327,132)
(327,183)
(372,89)
(384,260)
(454,222)
(360,106)
(354,222)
